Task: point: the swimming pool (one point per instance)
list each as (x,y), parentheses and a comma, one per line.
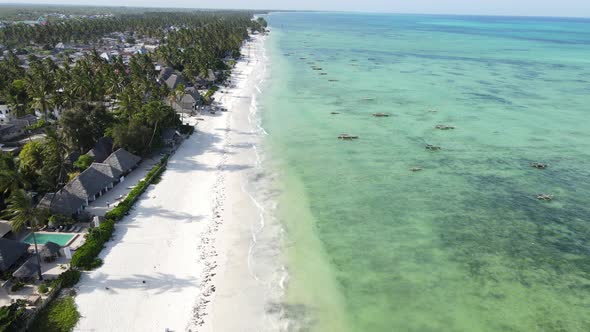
(42,238)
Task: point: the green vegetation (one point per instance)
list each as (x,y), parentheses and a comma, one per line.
(69,278)
(122,100)
(60,316)
(12,316)
(17,286)
(83,162)
(209,94)
(43,289)
(86,257)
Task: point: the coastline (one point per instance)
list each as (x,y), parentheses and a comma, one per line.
(191,253)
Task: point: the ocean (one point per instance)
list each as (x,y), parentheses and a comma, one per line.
(462,244)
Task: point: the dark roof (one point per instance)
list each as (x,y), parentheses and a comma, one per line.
(50,248)
(72,157)
(122,160)
(28,270)
(174,80)
(106,169)
(89,183)
(165,74)
(191,96)
(10,252)
(8,129)
(5,227)
(25,121)
(102,149)
(169,133)
(61,202)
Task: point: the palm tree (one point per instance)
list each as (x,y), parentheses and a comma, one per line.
(22,213)
(10,177)
(176,96)
(57,149)
(155,113)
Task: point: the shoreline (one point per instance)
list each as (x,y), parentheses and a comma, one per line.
(177,261)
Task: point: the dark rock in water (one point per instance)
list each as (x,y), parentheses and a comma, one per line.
(432,147)
(544,197)
(443,127)
(380,115)
(347,137)
(539,165)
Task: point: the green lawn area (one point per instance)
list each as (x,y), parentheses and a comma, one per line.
(59,316)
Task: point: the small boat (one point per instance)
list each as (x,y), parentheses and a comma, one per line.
(347,137)
(332,80)
(416,169)
(334,113)
(539,165)
(323,74)
(432,147)
(443,127)
(544,197)
(380,115)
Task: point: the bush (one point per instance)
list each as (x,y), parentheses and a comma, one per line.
(69,278)
(83,162)
(86,257)
(43,289)
(58,219)
(59,316)
(12,316)
(18,285)
(186,129)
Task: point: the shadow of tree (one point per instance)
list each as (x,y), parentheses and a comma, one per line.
(158,283)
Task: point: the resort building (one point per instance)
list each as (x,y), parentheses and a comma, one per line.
(93,182)
(101,150)
(6,113)
(28,271)
(122,161)
(11,252)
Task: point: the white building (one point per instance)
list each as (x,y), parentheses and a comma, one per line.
(7,114)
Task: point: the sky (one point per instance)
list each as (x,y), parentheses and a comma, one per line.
(576,8)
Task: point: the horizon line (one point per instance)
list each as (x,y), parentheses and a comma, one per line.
(286,10)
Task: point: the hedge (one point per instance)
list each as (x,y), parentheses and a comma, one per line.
(86,257)
(60,316)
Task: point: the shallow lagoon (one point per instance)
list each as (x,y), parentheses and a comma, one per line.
(462,245)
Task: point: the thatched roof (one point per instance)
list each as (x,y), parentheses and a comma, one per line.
(5,227)
(62,202)
(122,160)
(10,252)
(169,133)
(107,169)
(50,249)
(101,150)
(89,183)
(28,270)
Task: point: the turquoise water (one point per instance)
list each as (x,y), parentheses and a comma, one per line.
(42,238)
(463,245)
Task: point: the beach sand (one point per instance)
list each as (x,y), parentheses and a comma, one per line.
(199,251)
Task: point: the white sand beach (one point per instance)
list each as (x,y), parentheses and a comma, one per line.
(192,254)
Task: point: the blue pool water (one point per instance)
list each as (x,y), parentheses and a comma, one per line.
(42,238)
